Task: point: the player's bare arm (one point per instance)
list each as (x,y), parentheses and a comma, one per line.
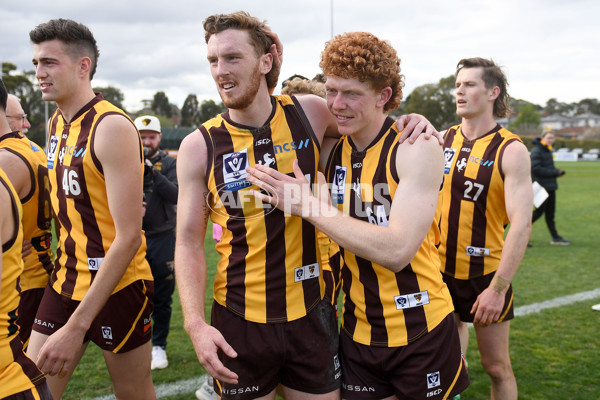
(121,165)
(190,257)
(412,211)
(518,197)
(18,173)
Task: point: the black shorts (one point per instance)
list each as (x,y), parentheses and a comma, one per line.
(29,303)
(432,367)
(464,292)
(39,392)
(300,354)
(123,324)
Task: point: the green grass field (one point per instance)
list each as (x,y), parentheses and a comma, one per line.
(555,354)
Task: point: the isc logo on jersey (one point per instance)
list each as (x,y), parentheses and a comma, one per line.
(234,170)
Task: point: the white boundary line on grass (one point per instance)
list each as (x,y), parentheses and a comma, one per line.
(191,385)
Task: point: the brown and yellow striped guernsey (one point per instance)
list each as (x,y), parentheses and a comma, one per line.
(79,200)
(37,211)
(15,377)
(383,308)
(268,269)
(472,198)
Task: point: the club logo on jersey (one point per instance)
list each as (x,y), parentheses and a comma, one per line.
(433,380)
(51,156)
(289,146)
(306,272)
(460,165)
(107,332)
(449,154)
(478,251)
(411,300)
(267,160)
(234,170)
(339,185)
(356,187)
(94,263)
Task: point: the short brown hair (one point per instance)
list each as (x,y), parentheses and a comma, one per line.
(256,29)
(362,56)
(492,76)
(303,86)
(78,38)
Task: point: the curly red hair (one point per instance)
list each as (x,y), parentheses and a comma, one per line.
(363,56)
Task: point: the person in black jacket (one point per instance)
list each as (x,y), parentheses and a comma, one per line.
(160,200)
(544,172)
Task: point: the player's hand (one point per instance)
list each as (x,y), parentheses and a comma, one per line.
(487,307)
(207,340)
(413,125)
(291,195)
(276,51)
(58,352)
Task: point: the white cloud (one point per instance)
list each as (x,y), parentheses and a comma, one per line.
(548,48)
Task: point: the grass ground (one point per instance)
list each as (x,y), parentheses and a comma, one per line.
(555,354)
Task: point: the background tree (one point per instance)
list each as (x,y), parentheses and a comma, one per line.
(588,106)
(434,101)
(160,104)
(555,107)
(24,86)
(189,110)
(208,110)
(112,94)
(528,120)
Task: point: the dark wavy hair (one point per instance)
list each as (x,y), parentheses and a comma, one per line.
(492,76)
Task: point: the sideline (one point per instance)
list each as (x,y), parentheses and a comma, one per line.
(191,385)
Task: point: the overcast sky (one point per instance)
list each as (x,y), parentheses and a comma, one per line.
(546,47)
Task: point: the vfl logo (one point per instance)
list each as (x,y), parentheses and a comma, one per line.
(306,272)
(478,251)
(234,170)
(94,263)
(461,164)
(449,154)
(339,185)
(268,160)
(411,300)
(433,380)
(107,332)
(51,156)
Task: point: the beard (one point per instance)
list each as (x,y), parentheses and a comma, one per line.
(247,96)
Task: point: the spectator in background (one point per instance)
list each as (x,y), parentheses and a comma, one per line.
(160,200)
(544,173)
(17,119)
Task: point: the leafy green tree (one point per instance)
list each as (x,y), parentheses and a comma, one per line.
(161,105)
(208,110)
(24,86)
(112,94)
(528,120)
(588,106)
(189,110)
(434,101)
(554,107)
